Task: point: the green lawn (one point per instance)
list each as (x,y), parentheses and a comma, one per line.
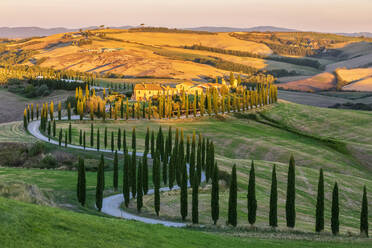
(28,225)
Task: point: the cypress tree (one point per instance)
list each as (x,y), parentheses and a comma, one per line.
(180,158)
(60,137)
(252,201)
(232,212)
(49,130)
(81,185)
(125,148)
(105,138)
(199,163)
(171,170)
(119,139)
(69,133)
(156,180)
(319,223)
(98,139)
(291,194)
(273,215)
(126,175)
(215,207)
(165,171)
(145,174)
(133,171)
(335,223)
(184,194)
(188,149)
(100,183)
(112,141)
(54,128)
(192,159)
(195,201)
(170,140)
(66,139)
(116,171)
(69,111)
(139,188)
(84,143)
(152,144)
(364,214)
(134,139)
(91,135)
(203,154)
(147,140)
(81,137)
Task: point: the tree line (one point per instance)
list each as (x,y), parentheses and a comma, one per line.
(184,166)
(297,61)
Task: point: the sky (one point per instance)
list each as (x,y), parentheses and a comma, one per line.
(307,15)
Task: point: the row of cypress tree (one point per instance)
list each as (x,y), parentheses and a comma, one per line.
(290,202)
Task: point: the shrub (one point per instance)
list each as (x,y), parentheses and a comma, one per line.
(36,149)
(49,162)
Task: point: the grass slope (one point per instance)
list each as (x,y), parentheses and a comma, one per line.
(27,225)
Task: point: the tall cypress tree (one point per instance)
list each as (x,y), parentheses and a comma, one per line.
(100,183)
(152,144)
(171,170)
(290,208)
(119,139)
(139,188)
(273,215)
(81,137)
(69,133)
(188,149)
(319,215)
(147,140)
(133,171)
(125,147)
(60,137)
(54,128)
(165,171)
(116,171)
(145,174)
(112,142)
(232,212)
(215,207)
(49,130)
(335,223)
(364,214)
(91,135)
(126,176)
(66,141)
(134,139)
(156,179)
(81,185)
(84,140)
(252,201)
(195,201)
(203,154)
(199,163)
(192,158)
(105,138)
(184,204)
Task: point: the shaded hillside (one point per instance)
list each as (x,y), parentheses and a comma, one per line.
(320,82)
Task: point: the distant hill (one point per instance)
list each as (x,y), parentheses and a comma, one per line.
(364,34)
(232,29)
(25,32)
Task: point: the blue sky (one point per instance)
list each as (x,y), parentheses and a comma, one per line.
(311,15)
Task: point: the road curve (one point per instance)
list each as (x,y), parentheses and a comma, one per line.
(111,205)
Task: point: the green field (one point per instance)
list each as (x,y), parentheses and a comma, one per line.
(29,225)
(268,137)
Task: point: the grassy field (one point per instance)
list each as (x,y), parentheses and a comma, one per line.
(28,225)
(307,178)
(12,105)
